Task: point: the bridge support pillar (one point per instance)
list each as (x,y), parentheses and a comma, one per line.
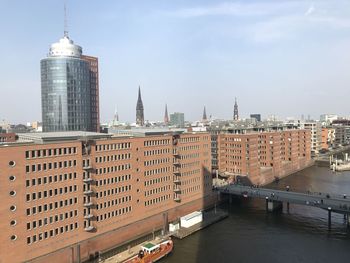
(329,218)
(272,205)
(288,207)
(230,199)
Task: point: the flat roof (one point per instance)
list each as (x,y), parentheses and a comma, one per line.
(141,132)
(192,215)
(42,137)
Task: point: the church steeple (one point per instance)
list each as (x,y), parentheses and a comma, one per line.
(166,116)
(204,118)
(235,111)
(140,119)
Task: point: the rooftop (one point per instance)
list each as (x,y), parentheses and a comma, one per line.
(44,137)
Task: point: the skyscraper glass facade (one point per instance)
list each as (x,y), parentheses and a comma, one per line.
(69,89)
(65,94)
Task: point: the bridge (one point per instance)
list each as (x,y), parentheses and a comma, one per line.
(275,198)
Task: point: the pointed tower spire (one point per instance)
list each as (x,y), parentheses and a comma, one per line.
(204,119)
(65,21)
(140,120)
(235,111)
(166,116)
(116,115)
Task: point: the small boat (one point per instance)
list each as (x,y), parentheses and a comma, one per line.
(151,253)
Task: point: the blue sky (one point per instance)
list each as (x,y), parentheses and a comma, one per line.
(277,57)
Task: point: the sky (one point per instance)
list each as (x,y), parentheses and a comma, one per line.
(285,58)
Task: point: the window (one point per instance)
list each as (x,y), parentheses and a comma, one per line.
(12,177)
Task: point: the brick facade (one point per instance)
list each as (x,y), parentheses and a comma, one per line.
(96,193)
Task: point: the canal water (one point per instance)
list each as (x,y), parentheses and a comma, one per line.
(250,234)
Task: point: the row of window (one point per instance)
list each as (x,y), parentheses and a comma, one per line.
(51,192)
(50,179)
(190,139)
(157,180)
(157,171)
(116,179)
(112,169)
(189,156)
(189,147)
(49,166)
(51,219)
(54,205)
(113,202)
(156,161)
(157,200)
(115,146)
(113,191)
(156,152)
(157,190)
(191,181)
(156,142)
(52,233)
(50,152)
(191,189)
(191,164)
(111,158)
(118,212)
(192,172)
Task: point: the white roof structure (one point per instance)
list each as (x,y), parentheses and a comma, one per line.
(65,47)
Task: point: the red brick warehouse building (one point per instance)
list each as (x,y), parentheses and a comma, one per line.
(66,196)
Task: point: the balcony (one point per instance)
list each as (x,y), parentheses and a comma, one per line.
(90,228)
(177,199)
(88,192)
(89,216)
(177,164)
(176,154)
(177,173)
(89,204)
(87,167)
(88,180)
(177,181)
(177,190)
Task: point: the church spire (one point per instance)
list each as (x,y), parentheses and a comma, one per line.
(235,111)
(204,119)
(140,120)
(166,116)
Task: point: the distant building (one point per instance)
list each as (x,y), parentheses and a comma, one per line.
(255,116)
(235,111)
(263,156)
(316,134)
(7,137)
(327,119)
(140,118)
(177,119)
(69,89)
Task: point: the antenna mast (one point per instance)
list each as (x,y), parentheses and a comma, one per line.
(65,21)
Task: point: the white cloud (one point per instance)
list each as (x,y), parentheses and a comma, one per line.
(268,21)
(310,10)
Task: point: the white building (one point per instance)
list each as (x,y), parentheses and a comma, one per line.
(316,134)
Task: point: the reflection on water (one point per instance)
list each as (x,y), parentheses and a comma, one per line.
(250,234)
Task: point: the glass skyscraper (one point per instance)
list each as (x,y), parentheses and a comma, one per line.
(69,89)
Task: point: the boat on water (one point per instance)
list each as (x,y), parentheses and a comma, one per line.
(152,252)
